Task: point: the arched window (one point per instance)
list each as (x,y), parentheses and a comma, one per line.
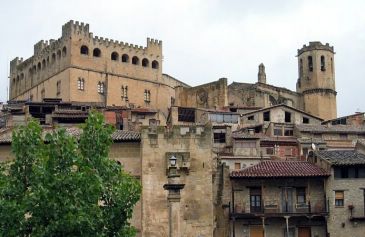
(59,54)
(44,64)
(310,63)
(96,52)
(53,58)
(64,51)
(34,69)
(81,84)
(145,62)
(331,65)
(47,60)
(323,63)
(84,50)
(154,64)
(101,87)
(135,60)
(125,58)
(114,56)
(39,66)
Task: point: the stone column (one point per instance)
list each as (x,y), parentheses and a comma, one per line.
(173,198)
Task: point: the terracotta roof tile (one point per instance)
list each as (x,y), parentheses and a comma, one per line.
(277,169)
(342,157)
(330,129)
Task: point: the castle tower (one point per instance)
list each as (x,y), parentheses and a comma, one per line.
(262,74)
(316,80)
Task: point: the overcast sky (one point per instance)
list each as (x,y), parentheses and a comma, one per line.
(204,40)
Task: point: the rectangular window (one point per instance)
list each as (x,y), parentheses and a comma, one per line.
(301,197)
(250,117)
(186,115)
(278,132)
(339,198)
(267,116)
(305,120)
(269,151)
(147,96)
(80,84)
(255,200)
(288,132)
(287,117)
(219,138)
(237,166)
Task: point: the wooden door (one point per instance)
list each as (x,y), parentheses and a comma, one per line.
(256,231)
(304,232)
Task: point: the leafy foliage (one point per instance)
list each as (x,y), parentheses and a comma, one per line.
(65,187)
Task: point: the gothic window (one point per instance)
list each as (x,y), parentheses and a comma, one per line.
(84,50)
(81,84)
(147,95)
(101,87)
(59,54)
(44,64)
(96,52)
(323,64)
(34,69)
(64,51)
(58,87)
(154,64)
(53,58)
(39,66)
(310,63)
(125,58)
(135,60)
(145,62)
(114,56)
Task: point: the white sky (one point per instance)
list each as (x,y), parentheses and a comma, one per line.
(204,40)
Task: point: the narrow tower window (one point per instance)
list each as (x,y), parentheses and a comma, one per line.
(323,64)
(135,60)
(81,84)
(125,58)
(145,62)
(301,68)
(101,87)
(154,64)
(96,52)
(114,56)
(310,63)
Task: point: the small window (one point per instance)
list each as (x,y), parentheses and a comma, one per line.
(220,137)
(278,132)
(250,117)
(310,63)
(323,63)
(125,58)
(155,64)
(97,53)
(301,197)
(267,116)
(59,54)
(64,51)
(84,50)
(135,60)
(300,67)
(147,95)
(269,151)
(305,120)
(114,56)
(124,92)
(53,58)
(287,117)
(339,198)
(237,166)
(101,87)
(81,84)
(39,66)
(44,64)
(186,114)
(58,88)
(145,62)
(288,132)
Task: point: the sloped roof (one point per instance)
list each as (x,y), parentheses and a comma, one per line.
(280,169)
(330,129)
(342,157)
(117,136)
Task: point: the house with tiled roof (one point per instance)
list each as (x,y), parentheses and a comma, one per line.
(278,197)
(345,189)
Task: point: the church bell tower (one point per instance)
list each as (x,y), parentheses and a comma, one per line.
(316,80)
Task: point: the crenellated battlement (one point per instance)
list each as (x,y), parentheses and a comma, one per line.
(75,28)
(315,45)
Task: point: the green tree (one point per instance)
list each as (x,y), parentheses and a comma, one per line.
(65,187)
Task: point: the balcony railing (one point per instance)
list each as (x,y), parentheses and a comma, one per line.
(284,208)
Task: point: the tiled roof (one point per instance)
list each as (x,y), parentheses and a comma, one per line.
(342,157)
(70,114)
(277,169)
(330,129)
(117,136)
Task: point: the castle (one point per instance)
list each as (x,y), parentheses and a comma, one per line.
(234,160)
(80,67)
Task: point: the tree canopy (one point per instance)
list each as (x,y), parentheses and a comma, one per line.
(63,186)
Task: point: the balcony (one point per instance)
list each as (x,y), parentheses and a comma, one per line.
(274,209)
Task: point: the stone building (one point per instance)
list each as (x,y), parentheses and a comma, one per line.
(345,190)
